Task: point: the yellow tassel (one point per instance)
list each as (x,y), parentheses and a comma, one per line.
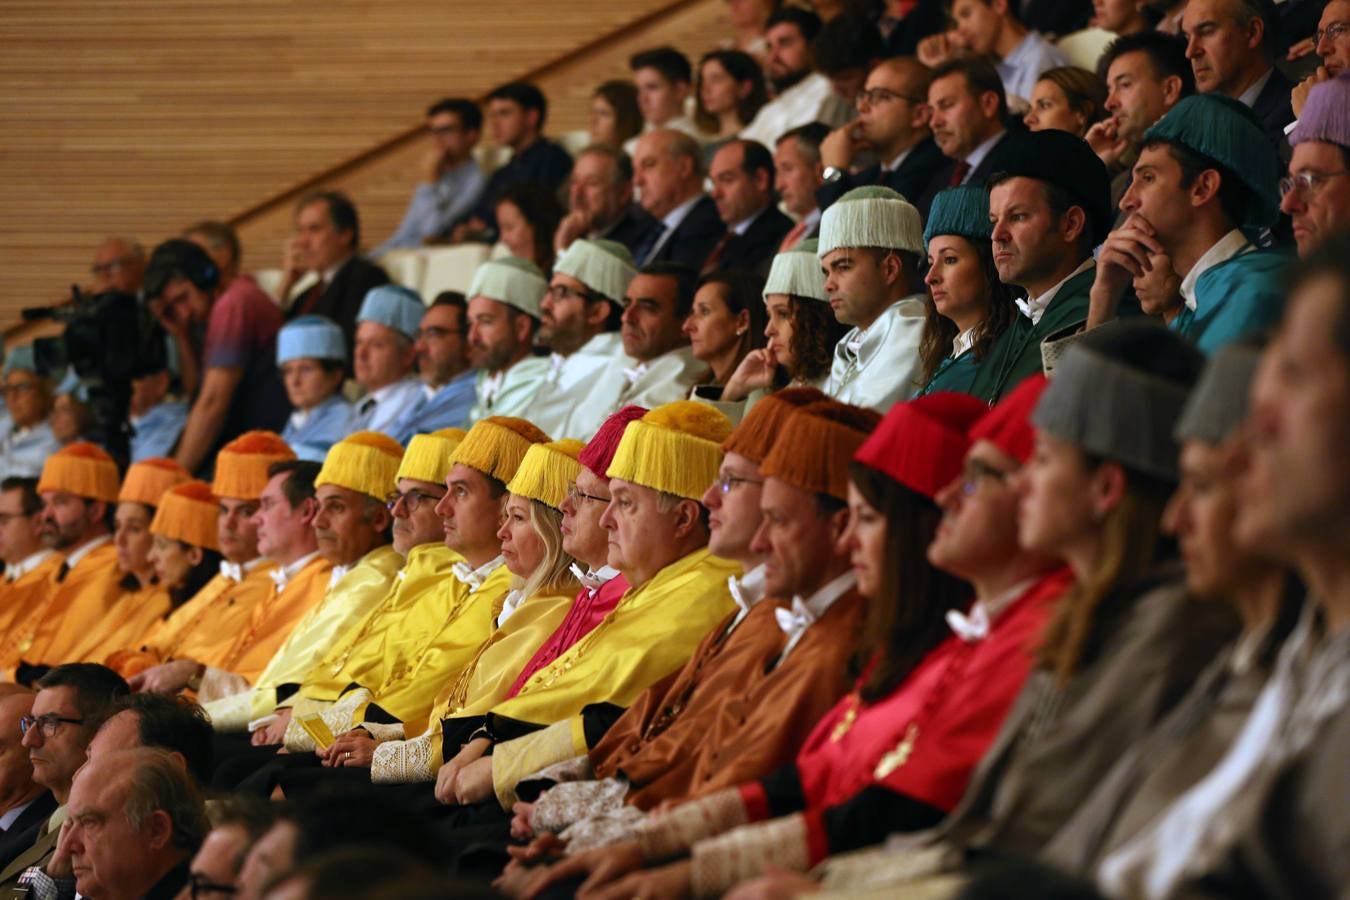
(366,462)
(675,448)
(496,445)
(82,469)
(187,513)
(241,465)
(148,479)
(428,455)
(547,471)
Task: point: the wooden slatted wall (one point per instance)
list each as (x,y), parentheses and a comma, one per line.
(139,118)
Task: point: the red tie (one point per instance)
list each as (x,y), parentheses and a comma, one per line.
(716,256)
(959,173)
(309,299)
(796,234)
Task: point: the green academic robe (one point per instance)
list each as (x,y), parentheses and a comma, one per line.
(955,373)
(1237,298)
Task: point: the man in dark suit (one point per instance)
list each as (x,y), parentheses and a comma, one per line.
(327,237)
(742,175)
(600,201)
(1231,45)
(668,173)
(24,804)
(969,116)
(892,123)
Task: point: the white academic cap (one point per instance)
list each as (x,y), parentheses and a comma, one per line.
(871,216)
(605,267)
(797,272)
(511,280)
(395,307)
(311,337)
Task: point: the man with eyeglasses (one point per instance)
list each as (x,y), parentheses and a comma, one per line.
(579,320)
(892,123)
(451,179)
(350,521)
(441,345)
(119,265)
(27,438)
(1204,174)
(1331,41)
(1316,194)
(72,702)
(25,805)
(237,823)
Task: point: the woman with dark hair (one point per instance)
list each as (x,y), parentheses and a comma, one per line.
(1067,98)
(801,329)
(725,322)
(968,307)
(527,217)
(730,91)
(614,114)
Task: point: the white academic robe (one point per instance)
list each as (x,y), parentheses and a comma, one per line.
(662,380)
(878,368)
(559,406)
(810,100)
(513,393)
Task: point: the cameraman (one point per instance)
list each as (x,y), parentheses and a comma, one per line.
(240,389)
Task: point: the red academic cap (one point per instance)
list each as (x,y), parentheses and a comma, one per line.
(1008,425)
(599,452)
(922,443)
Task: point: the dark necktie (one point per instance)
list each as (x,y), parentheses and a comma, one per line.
(62,572)
(310,299)
(959,173)
(715,257)
(648,244)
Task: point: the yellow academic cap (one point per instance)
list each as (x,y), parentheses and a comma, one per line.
(366,462)
(428,455)
(82,469)
(496,445)
(675,448)
(241,465)
(148,479)
(187,512)
(547,471)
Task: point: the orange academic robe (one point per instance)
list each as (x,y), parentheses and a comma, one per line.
(136,612)
(24,602)
(273,617)
(78,602)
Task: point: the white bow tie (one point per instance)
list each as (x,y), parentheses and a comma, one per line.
(280,577)
(233,571)
(1024,306)
(795,620)
(466,575)
(556,360)
(852,347)
(972,626)
(738,595)
(634,374)
(589,580)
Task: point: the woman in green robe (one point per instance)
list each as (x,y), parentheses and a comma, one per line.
(968,307)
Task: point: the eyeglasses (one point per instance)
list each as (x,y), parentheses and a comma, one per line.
(108,268)
(1307,183)
(1333,31)
(576,495)
(975,472)
(50,723)
(873,96)
(21,388)
(411,500)
(202,886)
(727,482)
(561,292)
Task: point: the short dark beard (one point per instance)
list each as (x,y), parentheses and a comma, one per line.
(788,81)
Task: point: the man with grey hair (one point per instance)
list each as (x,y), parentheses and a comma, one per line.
(669,174)
(600,201)
(119,265)
(136,819)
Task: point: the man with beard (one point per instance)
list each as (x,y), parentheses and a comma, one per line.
(503,317)
(801,94)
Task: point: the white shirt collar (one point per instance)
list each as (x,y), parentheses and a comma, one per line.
(30,562)
(673,218)
(492,384)
(744,224)
(1248,97)
(474,578)
(12,815)
(73,558)
(974,625)
(1230,245)
(594,579)
(896,163)
(1034,307)
(977,155)
(328,274)
(380,394)
(282,575)
(514,598)
(747,591)
(812,219)
(805,613)
(338,573)
(963,342)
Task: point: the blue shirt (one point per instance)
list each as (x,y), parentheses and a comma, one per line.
(435,207)
(156,432)
(311,432)
(24,451)
(448,407)
(1022,67)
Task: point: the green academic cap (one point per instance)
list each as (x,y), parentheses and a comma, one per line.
(963,211)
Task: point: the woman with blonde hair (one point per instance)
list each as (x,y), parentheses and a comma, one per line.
(1067,98)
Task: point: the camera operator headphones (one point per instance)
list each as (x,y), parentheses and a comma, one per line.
(177,257)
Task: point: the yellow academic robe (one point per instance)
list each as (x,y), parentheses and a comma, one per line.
(479,686)
(420,665)
(345,604)
(136,612)
(205,627)
(24,602)
(651,633)
(274,616)
(79,602)
(401,623)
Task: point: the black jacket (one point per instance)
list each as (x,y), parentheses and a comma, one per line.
(693,239)
(754,250)
(924,172)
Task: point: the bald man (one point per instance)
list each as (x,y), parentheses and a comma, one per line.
(668,173)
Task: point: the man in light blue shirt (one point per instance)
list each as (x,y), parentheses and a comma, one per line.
(991,28)
(441,345)
(452,182)
(28,395)
(386,327)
